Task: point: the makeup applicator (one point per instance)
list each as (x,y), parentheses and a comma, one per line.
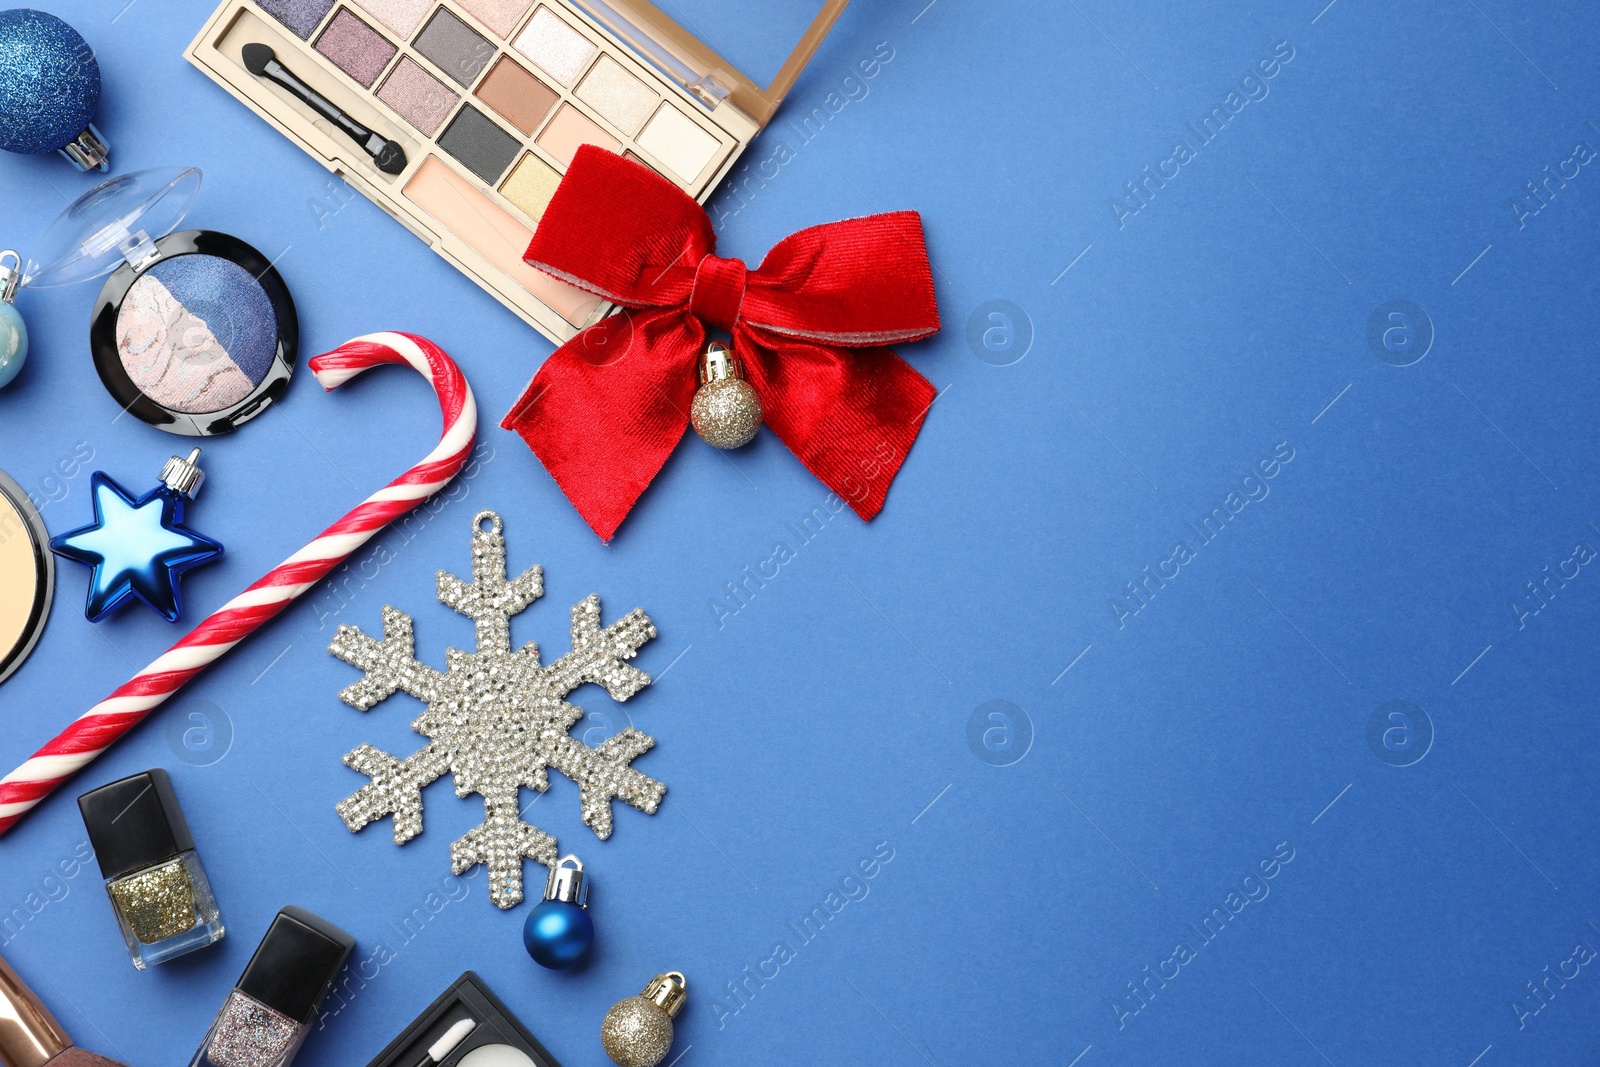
(447,1044)
(260,60)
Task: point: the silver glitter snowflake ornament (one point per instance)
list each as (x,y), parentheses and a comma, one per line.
(497,719)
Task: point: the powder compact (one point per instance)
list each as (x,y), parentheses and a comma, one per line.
(194,332)
(467,1026)
(458,117)
(27,576)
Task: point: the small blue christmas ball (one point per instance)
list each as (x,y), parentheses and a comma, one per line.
(49,82)
(558,934)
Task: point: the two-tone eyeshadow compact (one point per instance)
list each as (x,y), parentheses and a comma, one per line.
(194,332)
(458,117)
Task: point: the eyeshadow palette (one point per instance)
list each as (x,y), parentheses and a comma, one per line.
(487,101)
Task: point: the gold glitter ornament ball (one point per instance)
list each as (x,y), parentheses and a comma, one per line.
(726,411)
(637,1032)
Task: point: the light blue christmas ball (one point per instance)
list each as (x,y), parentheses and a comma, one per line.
(13,343)
(49,82)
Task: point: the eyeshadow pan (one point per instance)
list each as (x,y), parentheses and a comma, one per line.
(531,185)
(481,146)
(454,47)
(501,16)
(635,157)
(555,46)
(197,333)
(301,17)
(495,1056)
(494,234)
(401,16)
(519,97)
(677,142)
(355,48)
(619,97)
(419,97)
(571,128)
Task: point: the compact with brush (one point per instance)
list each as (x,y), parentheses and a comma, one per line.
(467,1026)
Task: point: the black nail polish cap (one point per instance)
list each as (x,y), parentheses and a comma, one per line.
(296,963)
(135,823)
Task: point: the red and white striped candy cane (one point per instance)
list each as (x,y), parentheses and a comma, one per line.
(102,725)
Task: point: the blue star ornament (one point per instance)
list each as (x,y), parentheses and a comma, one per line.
(139,547)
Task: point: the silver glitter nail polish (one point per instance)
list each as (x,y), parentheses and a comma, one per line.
(250,1034)
(269,1013)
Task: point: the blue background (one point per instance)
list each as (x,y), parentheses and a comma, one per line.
(1155,758)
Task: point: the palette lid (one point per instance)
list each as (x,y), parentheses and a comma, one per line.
(113,223)
(699,68)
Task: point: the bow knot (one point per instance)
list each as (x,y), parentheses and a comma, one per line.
(808,323)
(718,293)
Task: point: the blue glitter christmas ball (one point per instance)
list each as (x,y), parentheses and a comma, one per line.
(49,82)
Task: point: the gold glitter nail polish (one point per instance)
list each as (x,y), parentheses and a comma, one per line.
(158,889)
(158,903)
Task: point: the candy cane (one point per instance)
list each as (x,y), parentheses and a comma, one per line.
(105,723)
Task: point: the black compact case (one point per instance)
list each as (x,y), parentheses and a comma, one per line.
(467,998)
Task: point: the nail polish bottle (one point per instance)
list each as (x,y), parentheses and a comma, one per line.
(270,1012)
(158,889)
(30,1036)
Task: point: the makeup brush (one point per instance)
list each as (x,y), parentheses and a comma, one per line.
(260,60)
(447,1044)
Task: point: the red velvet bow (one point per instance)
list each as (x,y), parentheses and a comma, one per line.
(609,406)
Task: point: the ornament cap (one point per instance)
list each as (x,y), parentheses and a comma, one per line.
(719,364)
(669,992)
(183,475)
(10,274)
(88,150)
(567,884)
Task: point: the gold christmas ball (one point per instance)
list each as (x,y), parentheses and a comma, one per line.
(636,1033)
(726,413)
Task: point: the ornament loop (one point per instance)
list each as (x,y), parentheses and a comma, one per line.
(495,525)
(719,364)
(567,884)
(184,476)
(668,992)
(10,276)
